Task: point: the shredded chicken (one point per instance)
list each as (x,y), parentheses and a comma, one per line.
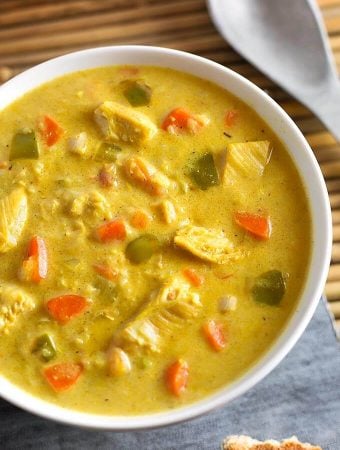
(13,215)
(209,245)
(174,304)
(78,144)
(147,176)
(168,211)
(14,302)
(121,123)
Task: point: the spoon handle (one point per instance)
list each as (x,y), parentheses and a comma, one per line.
(326,105)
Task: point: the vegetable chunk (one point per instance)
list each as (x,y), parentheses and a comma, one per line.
(142,248)
(24,146)
(204,172)
(63,376)
(247,159)
(65,307)
(258,226)
(107,152)
(147,176)
(193,277)
(13,216)
(209,245)
(14,302)
(51,130)
(121,123)
(34,267)
(174,304)
(269,287)
(214,335)
(45,347)
(114,230)
(137,92)
(106,271)
(118,361)
(140,220)
(177,377)
(180,120)
(231,118)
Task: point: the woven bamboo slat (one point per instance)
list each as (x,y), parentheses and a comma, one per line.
(32,31)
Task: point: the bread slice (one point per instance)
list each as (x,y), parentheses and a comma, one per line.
(247,443)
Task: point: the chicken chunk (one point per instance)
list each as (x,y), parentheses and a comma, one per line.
(209,245)
(86,204)
(147,176)
(13,215)
(168,211)
(246,159)
(120,123)
(78,144)
(174,304)
(14,302)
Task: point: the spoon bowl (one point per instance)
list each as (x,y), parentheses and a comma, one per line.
(287,41)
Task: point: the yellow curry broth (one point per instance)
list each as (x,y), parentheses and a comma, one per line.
(59,177)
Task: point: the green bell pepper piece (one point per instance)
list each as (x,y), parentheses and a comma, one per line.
(137,93)
(204,173)
(269,288)
(24,146)
(107,152)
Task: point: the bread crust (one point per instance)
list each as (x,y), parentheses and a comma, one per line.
(247,443)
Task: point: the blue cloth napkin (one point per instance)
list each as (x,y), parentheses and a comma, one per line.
(301,396)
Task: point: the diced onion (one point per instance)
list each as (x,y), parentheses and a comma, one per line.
(227,303)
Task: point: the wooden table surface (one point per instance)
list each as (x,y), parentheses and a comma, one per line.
(32,31)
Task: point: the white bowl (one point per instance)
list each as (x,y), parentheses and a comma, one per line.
(309,170)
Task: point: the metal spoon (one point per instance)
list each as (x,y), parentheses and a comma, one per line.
(286,40)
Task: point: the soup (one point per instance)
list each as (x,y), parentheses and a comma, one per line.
(154,239)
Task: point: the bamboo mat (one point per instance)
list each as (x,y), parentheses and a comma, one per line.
(32,31)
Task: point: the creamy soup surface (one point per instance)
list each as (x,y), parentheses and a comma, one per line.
(154,239)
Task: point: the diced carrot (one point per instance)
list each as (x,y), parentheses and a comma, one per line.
(181,119)
(52,131)
(128,71)
(259,226)
(65,307)
(106,271)
(195,279)
(214,334)
(114,230)
(231,117)
(62,376)
(177,117)
(140,220)
(177,377)
(34,267)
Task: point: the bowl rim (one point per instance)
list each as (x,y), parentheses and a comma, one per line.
(304,158)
